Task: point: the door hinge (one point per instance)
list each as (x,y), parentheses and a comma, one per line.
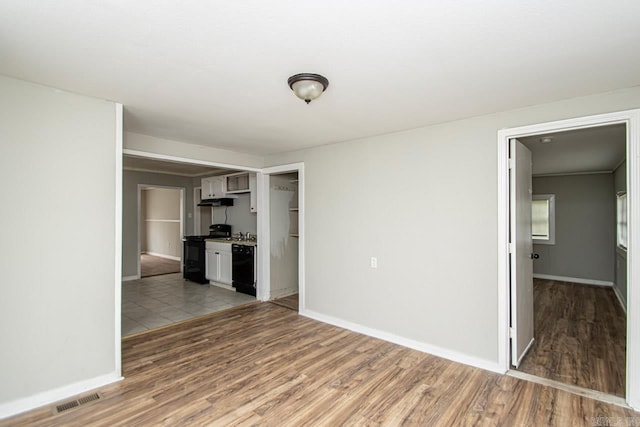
(512,332)
(510,248)
(511,163)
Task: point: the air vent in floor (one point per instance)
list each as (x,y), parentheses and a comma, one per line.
(75,403)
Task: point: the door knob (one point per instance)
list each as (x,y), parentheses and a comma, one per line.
(535,256)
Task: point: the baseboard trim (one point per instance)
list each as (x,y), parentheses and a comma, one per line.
(573,280)
(25,404)
(405,342)
(621,300)
(130,278)
(171,257)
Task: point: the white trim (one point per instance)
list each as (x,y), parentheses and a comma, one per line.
(159,255)
(128,279)
(405,342)
(620,299)
(156,156)
(25,404)
(263,291)
(573,280)
(118,243)
(162,220)
(632,119)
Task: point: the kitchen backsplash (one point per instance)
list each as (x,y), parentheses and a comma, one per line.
(239,215)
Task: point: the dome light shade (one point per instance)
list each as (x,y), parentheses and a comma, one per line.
(308,86)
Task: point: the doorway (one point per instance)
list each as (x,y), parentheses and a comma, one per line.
(578,294)
(161,229)
(631,119)
(282,265)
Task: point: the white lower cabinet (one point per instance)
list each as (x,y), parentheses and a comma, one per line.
(218,262)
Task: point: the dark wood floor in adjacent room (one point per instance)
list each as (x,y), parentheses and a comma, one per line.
(151,265)
(580,336)
(290,302)
(265,365)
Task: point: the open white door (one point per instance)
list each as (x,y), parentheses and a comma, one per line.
(521,251)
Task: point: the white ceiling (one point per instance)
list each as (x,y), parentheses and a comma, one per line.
(597,149)
(215,72)
(172,168)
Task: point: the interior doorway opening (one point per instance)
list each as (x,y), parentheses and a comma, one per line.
(161,229)
(631,119)
(577,329)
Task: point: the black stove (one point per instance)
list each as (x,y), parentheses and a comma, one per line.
(194,252)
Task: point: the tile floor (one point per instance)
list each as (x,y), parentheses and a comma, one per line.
(160,300)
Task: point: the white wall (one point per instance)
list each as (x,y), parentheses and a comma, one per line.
(283,195)
(424,202)
(57,310)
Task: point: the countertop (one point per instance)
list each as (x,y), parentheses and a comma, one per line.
(236,242)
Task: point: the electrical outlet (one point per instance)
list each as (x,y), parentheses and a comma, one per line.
(374,262)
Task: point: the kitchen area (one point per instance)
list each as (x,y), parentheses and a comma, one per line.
(219,244)
(217,238)
(224,252)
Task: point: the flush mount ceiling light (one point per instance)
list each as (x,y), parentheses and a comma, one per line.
(308,86)
(546,140)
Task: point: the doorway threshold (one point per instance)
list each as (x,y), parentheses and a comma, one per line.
(574,389)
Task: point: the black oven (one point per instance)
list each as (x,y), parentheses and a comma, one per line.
(194,259)
(194,252)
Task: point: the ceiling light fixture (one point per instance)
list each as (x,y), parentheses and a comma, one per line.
(308,86)
(546,140)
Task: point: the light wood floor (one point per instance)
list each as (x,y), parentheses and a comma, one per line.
(265,365)
(290,302)
(580,336)
(155,266)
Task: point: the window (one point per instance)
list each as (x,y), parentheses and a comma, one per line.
(543,219)
(621,220)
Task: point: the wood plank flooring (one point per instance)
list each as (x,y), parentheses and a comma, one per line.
(580,336)
(155,266)
(265,365)
(290,302)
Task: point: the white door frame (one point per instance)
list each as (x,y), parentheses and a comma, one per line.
(632,119)
(264,231)
(182,222)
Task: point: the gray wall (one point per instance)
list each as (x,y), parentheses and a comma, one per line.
(239,216)
(585,227)
(57,310)
(423,201)
(620,184)
(130,181)
(161,232)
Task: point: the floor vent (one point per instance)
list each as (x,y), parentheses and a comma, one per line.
(75,403)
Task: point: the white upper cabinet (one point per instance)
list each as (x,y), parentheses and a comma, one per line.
(213,187)
(237,183)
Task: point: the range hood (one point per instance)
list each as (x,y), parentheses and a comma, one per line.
(226,201)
